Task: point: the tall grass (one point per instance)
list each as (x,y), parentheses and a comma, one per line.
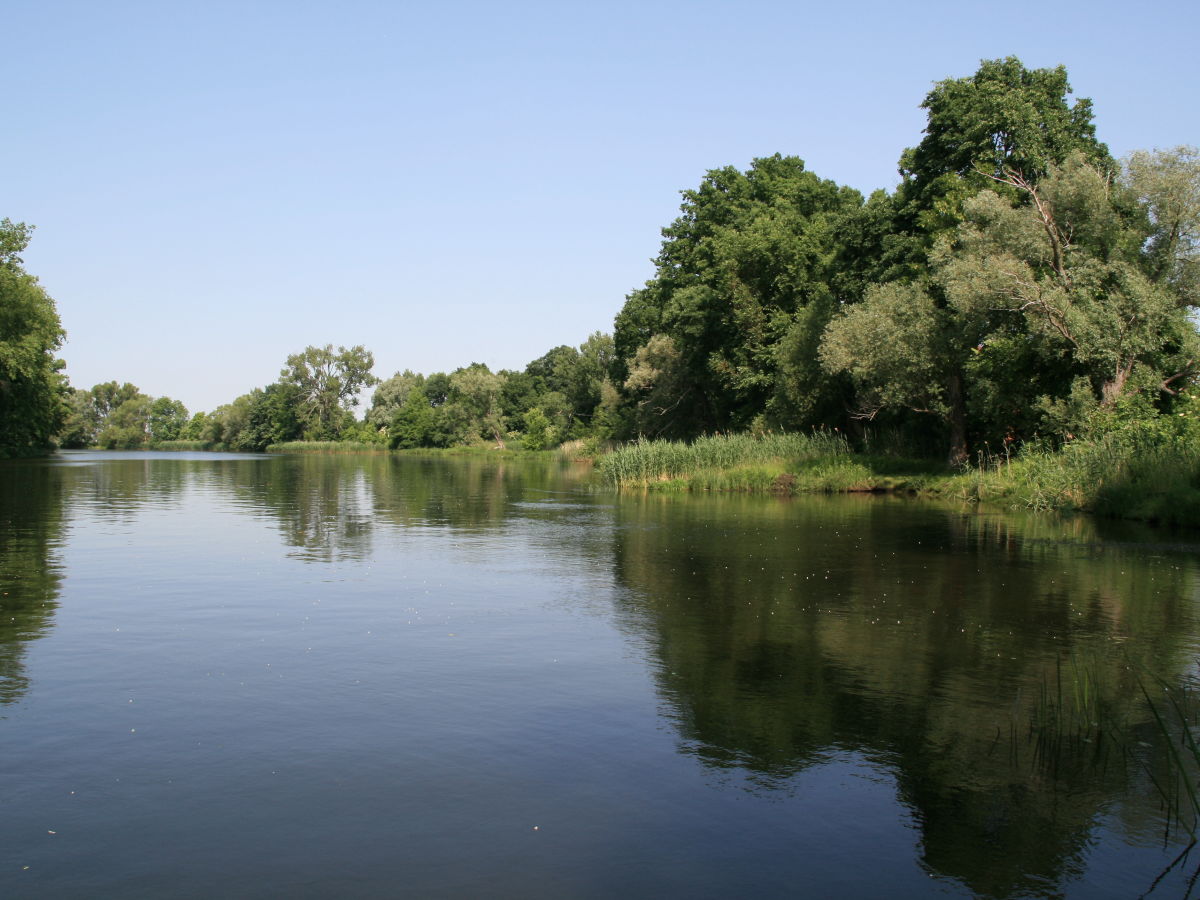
(1071,721)
(647,462)
(186,445)
(1139,473)
(1146,470)
(327,447)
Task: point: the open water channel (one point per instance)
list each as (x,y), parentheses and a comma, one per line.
(374,676)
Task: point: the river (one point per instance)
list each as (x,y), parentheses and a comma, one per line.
(384,676)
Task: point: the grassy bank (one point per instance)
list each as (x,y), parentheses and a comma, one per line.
(1139,473)
(326,447)
(489,450)
(780,463)
(1144,471)
(187,446)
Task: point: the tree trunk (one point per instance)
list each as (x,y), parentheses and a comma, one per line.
(957,417)
(1112,389)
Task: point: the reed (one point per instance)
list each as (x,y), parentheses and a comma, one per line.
(1138,473)
(648,462)
(193,446)
(327,447)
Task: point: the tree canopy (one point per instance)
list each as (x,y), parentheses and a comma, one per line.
(1018,284)
(32,406)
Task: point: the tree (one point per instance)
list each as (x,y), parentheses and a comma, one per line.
(475,393)
(748,253)
(903,351)
(195,428)
(167,419)
(32,392)
(1040,306)
(127,427)
(89,414)
(328,384)
(1086,266)
(390,396)
(658,383)
(412,424)
(540,433)
(1167,184)
(1004,118)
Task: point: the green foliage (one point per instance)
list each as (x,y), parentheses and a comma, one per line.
(1167,185)
(326,447)
(127,426)
(658,383)
(412,425)
(328,384)
(646,462)
(195,428)
(747,254)
(1032,298)
(255,420)
(473,408)
(184,446)
(894,346)
(167,419)
(1004,118)
(540,433)
(90,414)
(32,392)
(390,396)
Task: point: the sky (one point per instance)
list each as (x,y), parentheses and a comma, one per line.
(218,185)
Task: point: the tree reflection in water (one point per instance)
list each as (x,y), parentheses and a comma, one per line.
(992,664)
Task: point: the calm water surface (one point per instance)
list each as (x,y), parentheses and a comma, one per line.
(244,676)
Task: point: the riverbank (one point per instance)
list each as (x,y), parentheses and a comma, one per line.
(325,447)
(1143,473)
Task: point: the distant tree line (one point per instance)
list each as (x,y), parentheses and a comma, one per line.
(1019,283)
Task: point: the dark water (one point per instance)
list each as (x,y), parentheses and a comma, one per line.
(227,676)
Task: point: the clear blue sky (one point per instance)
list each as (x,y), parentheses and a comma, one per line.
(216,185)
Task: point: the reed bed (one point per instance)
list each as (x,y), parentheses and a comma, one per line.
(327,447)
(649,462)
(192,446)
(1138,473)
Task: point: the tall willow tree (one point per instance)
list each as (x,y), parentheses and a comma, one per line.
(1040,307)
(32,406)
(1004,119)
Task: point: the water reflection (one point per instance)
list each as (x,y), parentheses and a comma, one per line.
(31,572)
(979,658)
(327,507)
(988,666)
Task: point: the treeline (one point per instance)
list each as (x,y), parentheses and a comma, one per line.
(1019,285)
(557,397)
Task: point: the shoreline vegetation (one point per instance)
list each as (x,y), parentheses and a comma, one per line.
(1137,473)
(1133,471)
(1015,324)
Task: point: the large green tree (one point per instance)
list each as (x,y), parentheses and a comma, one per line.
(328,384)
(390,396)
(32,392)
(90,412)
(749,252)
(1043,305)
(167,419)
(1003,119)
